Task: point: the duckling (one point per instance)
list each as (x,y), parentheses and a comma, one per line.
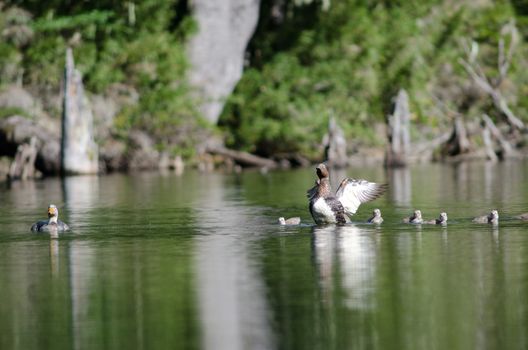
(291,221)
(523,217)
(415,218)
(442,220)
(376,217)
(53,222)
(492,218)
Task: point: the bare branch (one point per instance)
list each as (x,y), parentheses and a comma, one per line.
(479,77)
(507,149)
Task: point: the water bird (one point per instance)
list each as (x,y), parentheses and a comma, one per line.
(491,218)
(376,217)
(291,221)
(53,222)
(327,208)
(523,217)
(442,220)
(415,218)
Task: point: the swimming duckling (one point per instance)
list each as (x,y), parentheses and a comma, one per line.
(53,222)
(376,217)
(523,217)
(291,221)
(442,220)
(415,218)
(327,208)
(492,218)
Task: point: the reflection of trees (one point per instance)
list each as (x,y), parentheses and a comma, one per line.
(368,287)
(109,283)
(232,302)
(400,186)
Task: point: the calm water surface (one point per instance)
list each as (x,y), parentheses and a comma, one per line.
(198,261)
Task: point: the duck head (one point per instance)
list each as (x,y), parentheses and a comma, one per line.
(442,217)
(417,214)
(322,171)
(53,213)
(376,213)
(493,216)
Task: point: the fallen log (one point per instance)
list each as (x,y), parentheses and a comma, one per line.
(243,158)
(423,152)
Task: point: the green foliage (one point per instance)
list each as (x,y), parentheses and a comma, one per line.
(350,61)
(137,43)
(82,20)
(308,60)
(10,111)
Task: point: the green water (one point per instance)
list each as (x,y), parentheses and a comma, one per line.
(198,261)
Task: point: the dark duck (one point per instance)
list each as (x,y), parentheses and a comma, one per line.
(53,222)
(327,208)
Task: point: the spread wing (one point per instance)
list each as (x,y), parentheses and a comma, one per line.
(351,193)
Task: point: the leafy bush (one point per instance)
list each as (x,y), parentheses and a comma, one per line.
(140,44)
(349,61)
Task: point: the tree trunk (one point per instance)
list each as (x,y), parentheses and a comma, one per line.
(217,50)
(79,154)
(335,146)
(398,132)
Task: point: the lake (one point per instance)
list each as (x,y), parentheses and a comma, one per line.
(157,261)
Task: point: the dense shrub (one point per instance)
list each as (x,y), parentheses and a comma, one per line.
(349,61)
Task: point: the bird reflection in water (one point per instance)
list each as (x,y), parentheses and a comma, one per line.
(54,251)
(346,261)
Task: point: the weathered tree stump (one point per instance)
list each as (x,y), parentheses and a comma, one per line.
(79,153)
(399,145)
(458,143)
(488,144)
(17,130)
(335,146)
(23,166)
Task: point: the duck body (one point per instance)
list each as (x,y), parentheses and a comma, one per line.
(46,226)
(492,218)
(291,221)
(523,217)
(376,217)
(442,220)
(53,224)
(415,218)
(327,208)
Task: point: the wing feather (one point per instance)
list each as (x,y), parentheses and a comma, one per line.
(352,193)
(312,191)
